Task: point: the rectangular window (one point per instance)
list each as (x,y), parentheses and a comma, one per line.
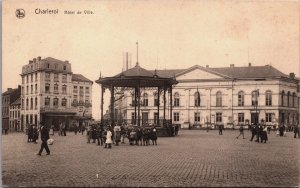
(47,101)
(56,78)
(47,76)
(55,102)
(75,90)
(27,78)
(27,89)
(35,104)
(81,90)
(241,118)
(64,78)
(56,88)
(80,109)
(268,117)
(31,89)
(75,98)
(197,117)
(31,76)
(64,89)
(176,102)
(132,117)
(23,80)
(219,117)
(36,76)
(176,116)
(65,67)
(87,90)
(64,102)
(36,90)
(47,88)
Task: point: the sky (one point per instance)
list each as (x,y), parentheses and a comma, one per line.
(171,34)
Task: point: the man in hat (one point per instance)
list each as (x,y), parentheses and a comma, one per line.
(44,138)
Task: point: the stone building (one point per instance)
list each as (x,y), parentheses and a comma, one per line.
(8,98)
(230,96)
(15,116)
(47,91)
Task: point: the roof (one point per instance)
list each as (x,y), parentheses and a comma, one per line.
(136,71)
(51,59)
(80,78)
(17,102)
(9,91)
(250,72)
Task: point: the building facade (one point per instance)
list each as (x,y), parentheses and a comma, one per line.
(229,96)
(15,116)
(8,98)
(47,91)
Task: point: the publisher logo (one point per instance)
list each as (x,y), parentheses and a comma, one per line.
(20,13)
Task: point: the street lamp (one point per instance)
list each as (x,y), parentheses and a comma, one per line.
(188,106)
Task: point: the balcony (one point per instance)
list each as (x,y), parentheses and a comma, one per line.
(55,92)
(87,104)
(75,103)
(48,109)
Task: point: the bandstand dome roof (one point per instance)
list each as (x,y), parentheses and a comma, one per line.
(137,76)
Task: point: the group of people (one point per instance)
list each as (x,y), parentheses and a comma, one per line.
(32,133)
(108,135)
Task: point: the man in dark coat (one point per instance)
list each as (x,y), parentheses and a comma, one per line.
(253,131)
(220,129)
(44,138)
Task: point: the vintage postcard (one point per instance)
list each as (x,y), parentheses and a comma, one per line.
(150,93)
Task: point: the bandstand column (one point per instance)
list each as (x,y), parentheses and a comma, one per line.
(164,106)
(102,101)
(158,101)
(135,104)
(139,106)
(171,105)
(112,105)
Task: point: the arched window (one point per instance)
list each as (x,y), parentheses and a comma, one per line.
(241,98)
(197,98)
(254,97)
(155,99)
(282,98)
(64,102)
(289,99)
(176,99)
(268,98)
(31,103)
(35,104)
(219,99)
(294,100)
(145,99)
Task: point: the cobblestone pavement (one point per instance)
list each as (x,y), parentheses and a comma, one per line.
(194,158)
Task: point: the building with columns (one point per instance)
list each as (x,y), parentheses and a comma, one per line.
(230,96)
(47,93)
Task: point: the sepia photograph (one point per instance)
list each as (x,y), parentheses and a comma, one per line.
(170,93)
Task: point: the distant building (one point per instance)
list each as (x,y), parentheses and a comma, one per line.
(8,98)
(47,91)
(15,116)
(230,96)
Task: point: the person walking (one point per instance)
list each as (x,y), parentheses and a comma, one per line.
(253,131)
(108,141)
(117,134)
(241,129)
(35,134)
(296,131)
(44,137)
(220,129)
(264,135)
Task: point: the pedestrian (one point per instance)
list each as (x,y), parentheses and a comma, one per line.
(176,129)
(253,132)
(108,141)
(257,132)
(30,133)
(89,134)
(220,129)
(296,131)
(140,134)
(123,134)
(281,130)
(117,134)
(264,135)
(44,137)
(153,136)
(100,133)
(35,134)
(241,129)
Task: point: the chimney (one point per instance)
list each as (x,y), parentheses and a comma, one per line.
(292,75)
(30,61)
(207,66)
(249,64)
(39,58)
(34,60)
(231,65)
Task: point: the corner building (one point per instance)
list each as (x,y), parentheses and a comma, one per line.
(47,92)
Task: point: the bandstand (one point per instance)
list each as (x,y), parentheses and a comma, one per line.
(135,79)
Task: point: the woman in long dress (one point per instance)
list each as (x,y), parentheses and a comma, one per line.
(108,141)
